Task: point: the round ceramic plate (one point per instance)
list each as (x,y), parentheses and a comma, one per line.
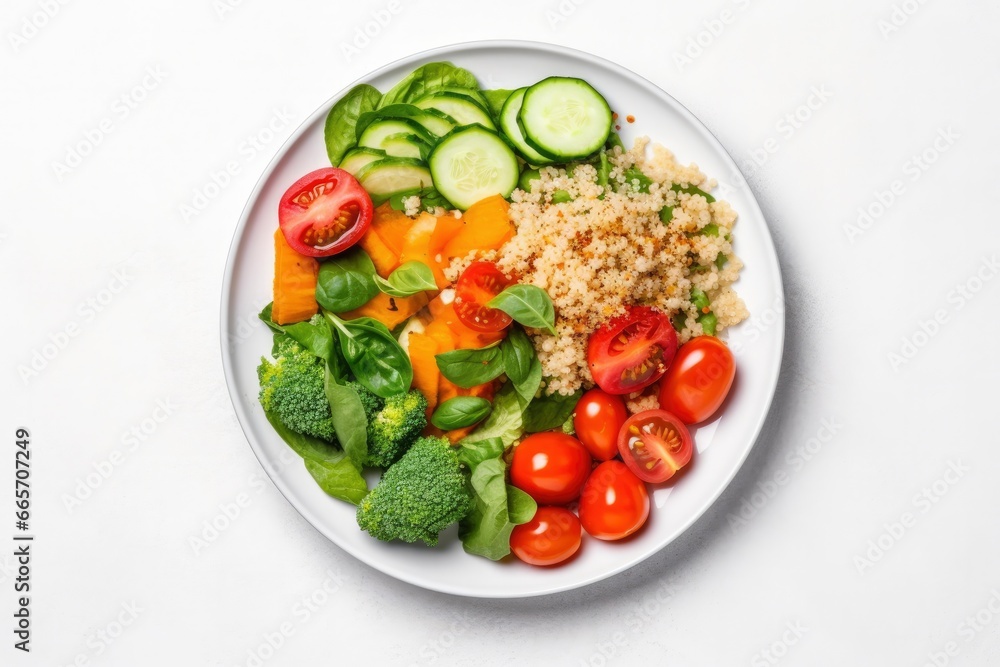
(722,445)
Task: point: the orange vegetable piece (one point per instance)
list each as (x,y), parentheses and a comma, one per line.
(389,310)
(391,226)
(294,283)
(486,226)
(383,257)
(426,374)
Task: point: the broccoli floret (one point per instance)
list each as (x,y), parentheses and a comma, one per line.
(424,492)
(372,403)
(395,427)
(292,388)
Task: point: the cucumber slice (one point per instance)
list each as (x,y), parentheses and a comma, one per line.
(358,158)
(376,134)
(435,122)
(511,130)
(471,93)
(564,118)
(473,163)
(406,145)
(463,109)
(384,178)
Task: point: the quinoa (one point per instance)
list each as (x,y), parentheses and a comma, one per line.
(595,256)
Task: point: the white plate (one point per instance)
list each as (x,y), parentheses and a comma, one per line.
(722,446)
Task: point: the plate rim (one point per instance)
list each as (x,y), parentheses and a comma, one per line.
(428,55)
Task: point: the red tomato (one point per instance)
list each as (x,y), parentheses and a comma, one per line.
(552,536)
(631,351)
(550,467)
(614,503)
(654,445)
(598,419)
(324,212)
(699,380)
(480,282)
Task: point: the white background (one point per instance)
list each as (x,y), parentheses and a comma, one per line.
(104,252)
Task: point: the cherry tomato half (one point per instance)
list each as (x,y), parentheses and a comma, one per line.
(698,381)
(597,420)
(614,503)
(480,282)
(655,444)
(551,537)
(631,351)
(550,467)
(324,212)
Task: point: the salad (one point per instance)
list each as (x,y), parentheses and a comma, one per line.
(500,309)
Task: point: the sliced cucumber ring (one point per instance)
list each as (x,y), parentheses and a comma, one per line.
(462,108)
(511,130)
(384,178)
(376,133)
(358,158)
(473,163)
(564,118)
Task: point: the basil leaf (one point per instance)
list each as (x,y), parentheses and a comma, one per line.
(374,357)
(339,479)
(340,122)
(410,278)
(529,305)
(496,99)
(348,415)
(425,79)
(520,363)
(306,446)
(468,368)
(346,281)
(548,412)
(461,411)
(317,338)
(505,423)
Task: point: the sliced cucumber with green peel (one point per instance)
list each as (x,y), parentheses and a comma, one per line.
(405,144)
(435,122)
(473,163)
(564,118)
(358,158)
(462,108)
(377,132)
(511,130)
(384,178)
(471,93)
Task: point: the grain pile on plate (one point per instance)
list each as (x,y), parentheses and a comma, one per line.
(594,256)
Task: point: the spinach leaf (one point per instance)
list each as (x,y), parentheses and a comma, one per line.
(486,530)
(349,422)
(470,454)
(373,355)
(317,338)
(346,281)
(339,479)
(520,505)
(468,368)
(461,411)
(425,79)
(409,278)
(496,99)
(530,306)
(306,446)
(520,363)
(340,122)
(548,412)
(614,139)
(505,423)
